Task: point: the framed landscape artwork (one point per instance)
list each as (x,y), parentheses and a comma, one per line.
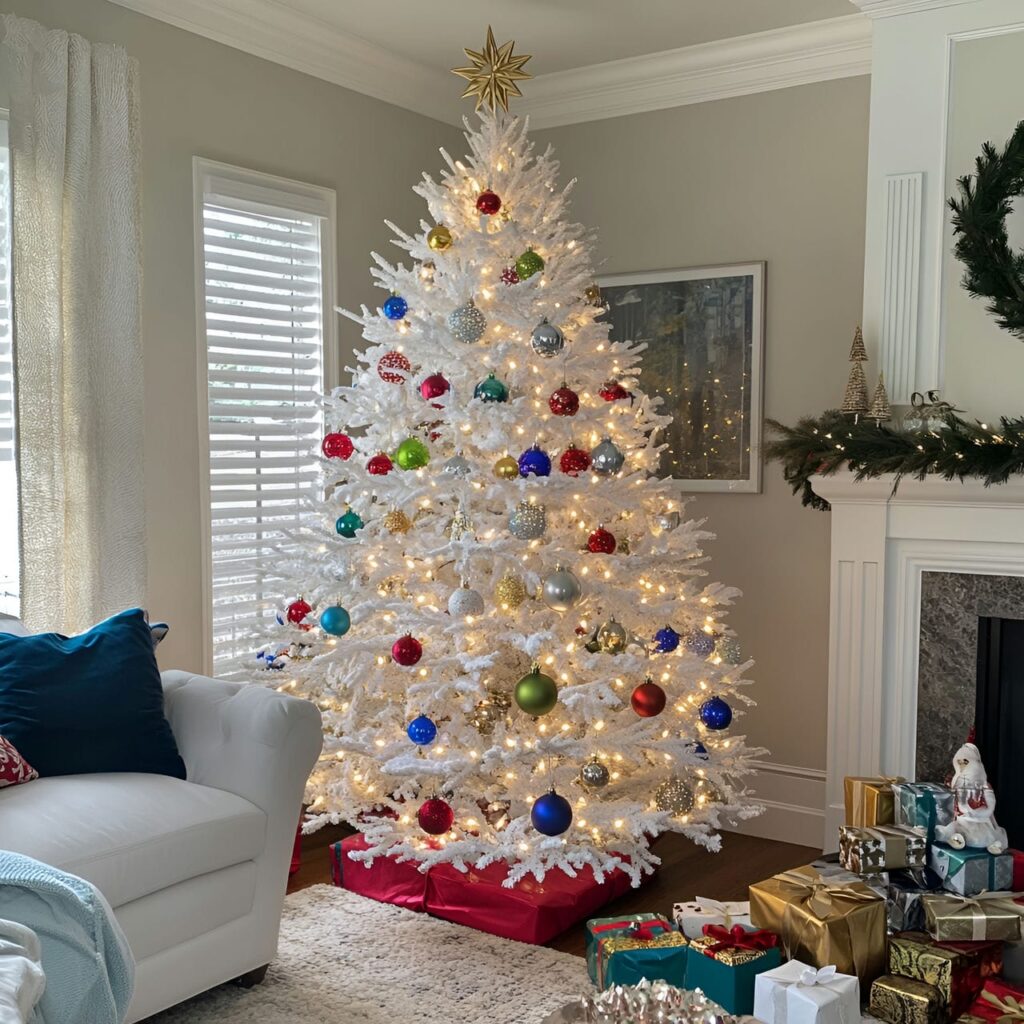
(704,330)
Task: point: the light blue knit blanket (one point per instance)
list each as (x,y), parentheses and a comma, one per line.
(90,973)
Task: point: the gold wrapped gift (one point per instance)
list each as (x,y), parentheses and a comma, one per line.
(869,799)
(906,1001)
(950,917)
(823,921)
(730,957)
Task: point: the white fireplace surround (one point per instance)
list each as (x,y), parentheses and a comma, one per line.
(881,544)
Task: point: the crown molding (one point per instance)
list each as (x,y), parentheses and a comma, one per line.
(891,8)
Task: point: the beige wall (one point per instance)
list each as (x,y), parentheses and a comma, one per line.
(202,98)
(781,177)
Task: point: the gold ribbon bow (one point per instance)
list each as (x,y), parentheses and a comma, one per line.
(1013,1009)
(820,892)
(973,908)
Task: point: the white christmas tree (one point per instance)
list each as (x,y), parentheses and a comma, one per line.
(503,614)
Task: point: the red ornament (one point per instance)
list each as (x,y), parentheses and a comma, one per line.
(613,391)
(510,275)
(407,650)
(648,699)
(574,461)
(488,202)
(337,446)
(435,816)
(601,541)
(297,611)
(564,401)
(390,362)
(434,386)
(380,465)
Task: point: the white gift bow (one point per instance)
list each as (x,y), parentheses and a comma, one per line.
(809,976)
(818,975)
(725,909)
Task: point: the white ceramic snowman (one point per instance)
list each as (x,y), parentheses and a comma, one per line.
(974,806)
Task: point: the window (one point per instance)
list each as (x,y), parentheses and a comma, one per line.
(265,286)
(9,587)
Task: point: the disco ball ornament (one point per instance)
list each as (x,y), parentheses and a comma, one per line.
(458,465)
(488,202)
(707,793)
(612,637)
(412,454)
(510,592)
(535,461)
(380,465)
(536,693)
(561,590)
(435,816)
(601,542)
(528,264)
(439,238)
(337,446)
(648,699)
(727,650)
(564,401)
(715,713)
(574,461)
(509,275)
(406,650)
(393,366)
(606,458)
(613,391)
(433,387)
(467,323)
(506,468)
(396,521)
(666,640)
(700,643)
(465,601)
(675,796)
(422,731)
(594,774)
(335,620)
(297,611)
(551,814)
(528,520)
(348,523)
(666,522)
(395,307)
(547,340)
(490,389)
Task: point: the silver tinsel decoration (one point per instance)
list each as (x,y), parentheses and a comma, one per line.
(465,601)
(561,590)
(727,650)
(547,340)
(644,1003)
(458,465)
(467,323)
(606,459)
(528,521)
(594,774)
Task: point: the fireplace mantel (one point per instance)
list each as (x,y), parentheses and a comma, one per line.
(882,541)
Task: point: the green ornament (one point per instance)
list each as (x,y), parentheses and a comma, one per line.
(348,522)
(491,390)
(412,454)
(528,264)
(536,693)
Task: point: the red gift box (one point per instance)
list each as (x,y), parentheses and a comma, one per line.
(997,1000)
(385,880)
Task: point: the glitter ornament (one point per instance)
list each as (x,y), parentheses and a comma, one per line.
(547,340)
(506,468)
(407,650)
(675,796)
(666,522)
(564,401)
(490,389)
(535,461)
(715,713)
(298,610)
(594,774)
(412,454)
(536,693)
(396,521)
(488,202)
(666,640)
(393,366)
(561,590)
(348,523)
(458,465)
(648,699)
(380,465)
(395,307)
(592,293)
(528,264)
(528,520)
(422,731)
(439,238)
(509,275)
(337,446)
(433,387)
(465,601)
(612,638)
(435,816)
(727,650)
(613,391)
(700,643)
(601,542)
(606,458)
(574,461)
(467,323)
(510,592)
(551,814)
(460,526)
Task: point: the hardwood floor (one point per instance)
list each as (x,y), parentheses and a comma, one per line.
(686,871)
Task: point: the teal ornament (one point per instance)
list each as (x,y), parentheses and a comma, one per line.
(490,389)
(335,620)
(348,523)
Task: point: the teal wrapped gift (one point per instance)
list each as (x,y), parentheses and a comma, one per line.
(599,928)
(971,871)
(723,965)
(645,951)
(922,805)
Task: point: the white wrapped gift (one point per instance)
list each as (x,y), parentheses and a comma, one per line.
(798,994)
(691,917)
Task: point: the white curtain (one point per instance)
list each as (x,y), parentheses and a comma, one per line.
(74,136)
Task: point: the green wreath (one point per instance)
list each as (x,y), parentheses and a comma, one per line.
(994,271)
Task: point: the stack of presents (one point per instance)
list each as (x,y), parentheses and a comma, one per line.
(919,919)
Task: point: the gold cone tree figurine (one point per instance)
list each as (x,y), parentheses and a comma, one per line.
(880,411)
(855,400)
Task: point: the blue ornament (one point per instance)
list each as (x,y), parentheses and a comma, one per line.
(551,814)
(666,640)
(536,461)
(422,731)
(699,750)
(335,620)
(395,307)
(715,713)
(700,643)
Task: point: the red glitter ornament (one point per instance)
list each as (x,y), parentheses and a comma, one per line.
(510,275)
(435,816)
(380,465)
(613,391)
(574,461)
(297,612)
(407,650)
(601,542)
(648,699)
(488,202)
(564,401)
(389,363)
(337,446)
(434,386)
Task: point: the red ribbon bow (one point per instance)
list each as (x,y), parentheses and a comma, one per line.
(737,938)
(645,931)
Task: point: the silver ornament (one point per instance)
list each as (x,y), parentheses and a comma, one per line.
(606,459)
(707,793)
(612,637)
(458,465)
(465,601)
(594,774)
(674,796)
(562,589)
(467,323)
(528,521)
(727,650)
(700,643)
(547,340)
(666,522)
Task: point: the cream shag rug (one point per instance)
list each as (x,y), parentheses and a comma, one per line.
(345,959)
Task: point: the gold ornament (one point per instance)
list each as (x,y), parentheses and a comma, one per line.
(494,73)
(485,716)
(592,293)
(510,592)
(439,238)
(392,586)
(506,468)
(396,521)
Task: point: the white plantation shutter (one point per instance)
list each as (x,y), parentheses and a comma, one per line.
(9,582)
(266,258)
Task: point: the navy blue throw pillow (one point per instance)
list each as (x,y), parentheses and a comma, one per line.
(88,703)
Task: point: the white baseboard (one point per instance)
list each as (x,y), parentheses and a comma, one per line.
(794,801)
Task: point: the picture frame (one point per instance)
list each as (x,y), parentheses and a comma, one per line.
(704,328)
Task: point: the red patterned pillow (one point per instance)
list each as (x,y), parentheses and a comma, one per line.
(14,769)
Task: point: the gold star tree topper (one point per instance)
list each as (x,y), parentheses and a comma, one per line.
(494,73)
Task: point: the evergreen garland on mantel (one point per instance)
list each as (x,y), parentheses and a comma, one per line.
(964,450)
